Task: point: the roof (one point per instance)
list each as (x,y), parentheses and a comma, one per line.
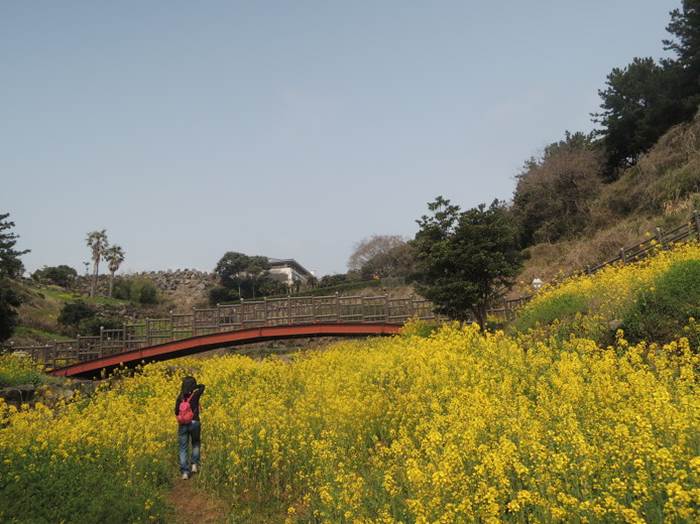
(282,262)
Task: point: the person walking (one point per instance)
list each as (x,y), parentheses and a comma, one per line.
(189,426)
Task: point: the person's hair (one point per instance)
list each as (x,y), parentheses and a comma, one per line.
(188,385)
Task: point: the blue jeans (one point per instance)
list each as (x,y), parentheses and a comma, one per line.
(185,432)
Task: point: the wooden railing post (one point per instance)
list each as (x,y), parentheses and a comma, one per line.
(289,310)
(194,321)
(148,331)
(622,255)
(659,235)
(386,309)
(218,318)
(337,307)
(696,221)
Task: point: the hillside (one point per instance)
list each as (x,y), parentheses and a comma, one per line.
(661,190)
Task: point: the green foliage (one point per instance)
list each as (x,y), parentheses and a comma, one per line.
(465,260)
(662,312)
(9,302)
(89,486)
(333,280)
(92,325)
(16,370)
(222,295)
(644,99)
(563,307)
(10,264)
(234,267)
(638,105)
(73,313)
(136,290)
(685,30)
(245,277)
(62,275)
(143,291)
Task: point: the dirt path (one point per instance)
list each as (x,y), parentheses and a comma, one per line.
(193,505)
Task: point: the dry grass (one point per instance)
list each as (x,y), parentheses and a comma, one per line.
(662,190)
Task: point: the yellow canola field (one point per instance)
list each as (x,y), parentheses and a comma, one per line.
(589,304)
(457,427)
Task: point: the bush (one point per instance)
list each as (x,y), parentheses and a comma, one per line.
(144,292)
(222,295)
(16,370)
(91,326)
(122,289)
(73,313)
(138,290)
(62,275)
(661,312)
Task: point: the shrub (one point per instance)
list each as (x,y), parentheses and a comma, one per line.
(138,290)
(91,326)
(16,370)
(661,311)
(144,292)
(62,275)
(221,295)
(73,313)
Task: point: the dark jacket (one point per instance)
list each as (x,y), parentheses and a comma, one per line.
(194,401)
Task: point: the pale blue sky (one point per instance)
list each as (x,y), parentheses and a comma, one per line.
(287,129)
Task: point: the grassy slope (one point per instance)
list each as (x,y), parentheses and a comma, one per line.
(661,190)
(40,309)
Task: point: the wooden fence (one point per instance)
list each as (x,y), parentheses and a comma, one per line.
(246,314)
(660,240)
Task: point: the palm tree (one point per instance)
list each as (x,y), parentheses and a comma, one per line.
(114,255)
(97,242)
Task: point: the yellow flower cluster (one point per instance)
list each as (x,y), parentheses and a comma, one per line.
(458,427)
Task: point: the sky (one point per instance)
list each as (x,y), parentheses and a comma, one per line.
(287,129)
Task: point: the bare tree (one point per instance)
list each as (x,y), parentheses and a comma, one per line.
(369,248)
(114,255)
(97,242)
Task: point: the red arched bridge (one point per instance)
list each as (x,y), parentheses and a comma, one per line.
(231,325)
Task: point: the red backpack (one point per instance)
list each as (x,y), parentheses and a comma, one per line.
(185,414)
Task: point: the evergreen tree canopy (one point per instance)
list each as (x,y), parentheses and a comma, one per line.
(10,264)
(465,260)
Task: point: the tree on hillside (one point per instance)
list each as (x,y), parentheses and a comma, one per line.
(369,248)
(114,255)
(399,261)
(639,104)
(62,275)
(243,276)
(554,194)
(465,260)
(685,43)
(9,302)
(97,242)
(10,267)
(10,264)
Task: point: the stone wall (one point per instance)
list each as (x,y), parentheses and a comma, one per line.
(183,288)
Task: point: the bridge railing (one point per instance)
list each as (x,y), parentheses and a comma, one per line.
(231,317)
